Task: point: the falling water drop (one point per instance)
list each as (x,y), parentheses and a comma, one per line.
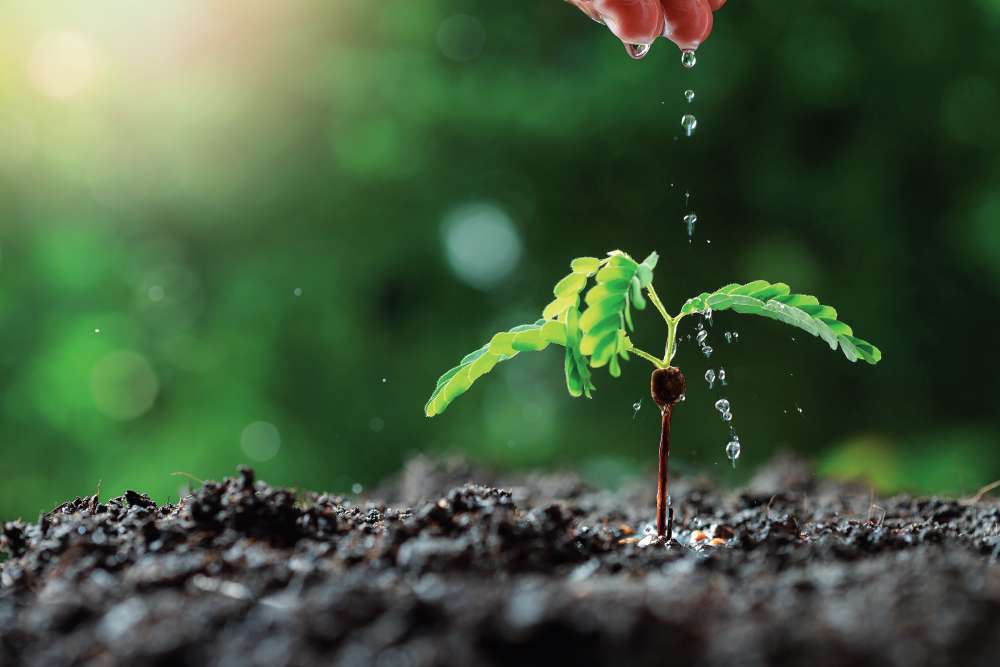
(689,123)
(689,96)
(733,450)
(729,336)
(722,376)
(727,416)
(702,335)
(736,337)
(708,315)
(690,220)
(688,58)
(637,51)
(722,405)
(707,351)
(710,378)
(635,408)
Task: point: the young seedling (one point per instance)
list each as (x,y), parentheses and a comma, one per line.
(597,335)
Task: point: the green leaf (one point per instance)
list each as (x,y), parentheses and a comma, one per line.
(567,290)
(577,371)
(559,306)
(636,293)
(572,284)
(645,270)
(585,265)
(503,346)
(775,300)
(603,323)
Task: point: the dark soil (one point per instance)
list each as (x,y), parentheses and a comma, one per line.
(529,570)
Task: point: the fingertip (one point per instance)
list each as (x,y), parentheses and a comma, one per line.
(687,23)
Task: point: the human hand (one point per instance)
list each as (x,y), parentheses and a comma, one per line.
(637,23)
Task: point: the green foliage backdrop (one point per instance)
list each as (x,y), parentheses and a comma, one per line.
(255,232)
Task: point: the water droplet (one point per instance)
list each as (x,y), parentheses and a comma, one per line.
(707,351)
(384,380)
(637,51)
(708,315)
(727,416)
(728,336)
(357,488)
(733,450)
(97,331)
(682,398)
(689,96)
(702,335)
(722,376)
(710,378)
(722,405)
(798,408)
(635,408)
(297,291)
(690,220)
(688,58)
(736,337)
(689,123)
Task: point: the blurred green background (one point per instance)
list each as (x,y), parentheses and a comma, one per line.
(251,231)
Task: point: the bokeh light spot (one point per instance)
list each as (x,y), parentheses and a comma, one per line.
(461,37)
(63,64)
(481,243)
(260,441)
(123,385)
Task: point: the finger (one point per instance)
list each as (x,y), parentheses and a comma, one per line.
(634,22)
(688,23)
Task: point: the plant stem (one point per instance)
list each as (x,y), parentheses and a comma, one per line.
(655,298)
(672,323)
(664,525)
(645,355)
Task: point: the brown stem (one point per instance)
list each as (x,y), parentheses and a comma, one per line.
(664,528)
(667,388)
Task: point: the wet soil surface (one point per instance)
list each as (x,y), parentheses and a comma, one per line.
(450,565)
